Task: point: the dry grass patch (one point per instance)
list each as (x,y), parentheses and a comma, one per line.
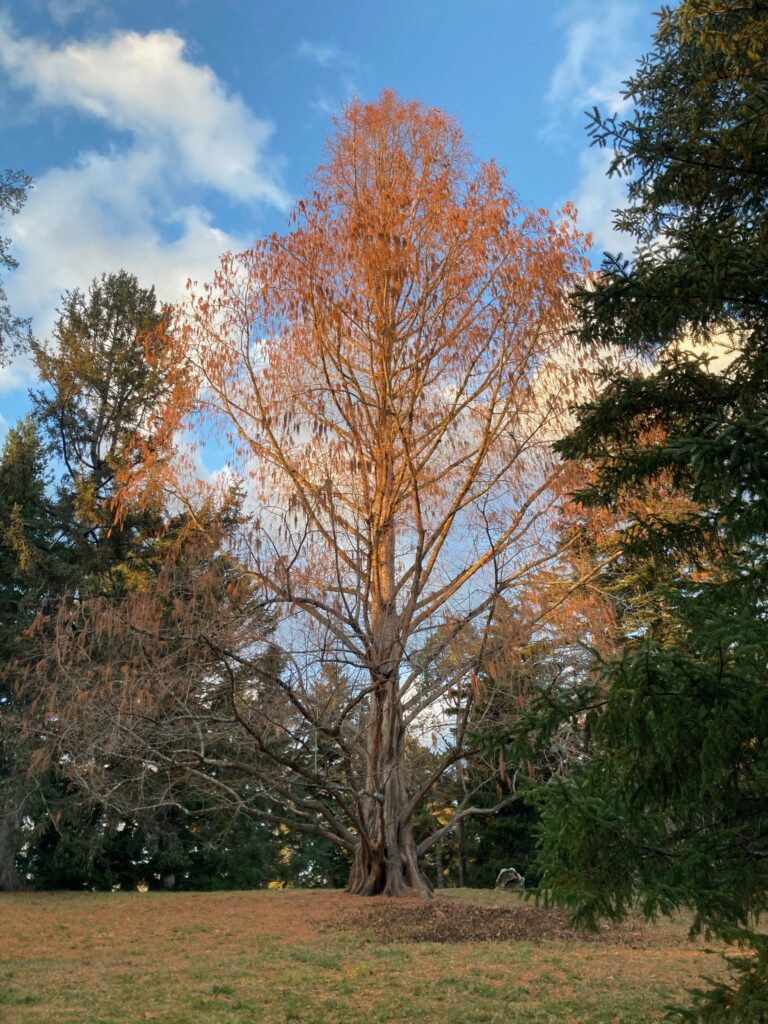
(327,958)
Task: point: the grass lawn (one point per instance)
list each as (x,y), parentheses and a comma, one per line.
(325,958)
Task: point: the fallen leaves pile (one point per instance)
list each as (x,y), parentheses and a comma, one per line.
(384,921)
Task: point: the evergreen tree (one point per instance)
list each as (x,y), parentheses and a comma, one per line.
(165,849)
(27,532)
(101,386)
(28,565)
(92,413)
(14,331)
(672,808)
(61,553)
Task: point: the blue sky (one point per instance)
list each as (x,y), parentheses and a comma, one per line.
(160,134)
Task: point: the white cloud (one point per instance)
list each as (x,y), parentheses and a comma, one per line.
(323,103)
(346,66)
(326,55)
(16,376)
(320,53)
(137,207)
(596,197)
(598,58)
(102,215)
(63,10)
(600,51)
(331,104)
(144,85)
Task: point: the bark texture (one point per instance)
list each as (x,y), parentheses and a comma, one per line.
(386,859)
(10,823)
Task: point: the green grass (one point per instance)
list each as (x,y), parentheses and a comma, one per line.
(273,958)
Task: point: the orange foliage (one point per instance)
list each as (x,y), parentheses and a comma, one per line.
(388,377)
(396,363)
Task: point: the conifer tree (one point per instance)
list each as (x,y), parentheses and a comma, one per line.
(672,808)
(100,387)
(28,567)
(14,330)
(98,390)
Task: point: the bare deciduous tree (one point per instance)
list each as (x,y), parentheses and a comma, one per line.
(389,376)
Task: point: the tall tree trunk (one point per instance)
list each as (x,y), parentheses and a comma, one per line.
(385,861)
(10,824)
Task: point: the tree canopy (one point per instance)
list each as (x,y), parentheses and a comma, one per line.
(671,807)
(388,377)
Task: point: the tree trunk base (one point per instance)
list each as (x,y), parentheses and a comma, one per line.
(374,874)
